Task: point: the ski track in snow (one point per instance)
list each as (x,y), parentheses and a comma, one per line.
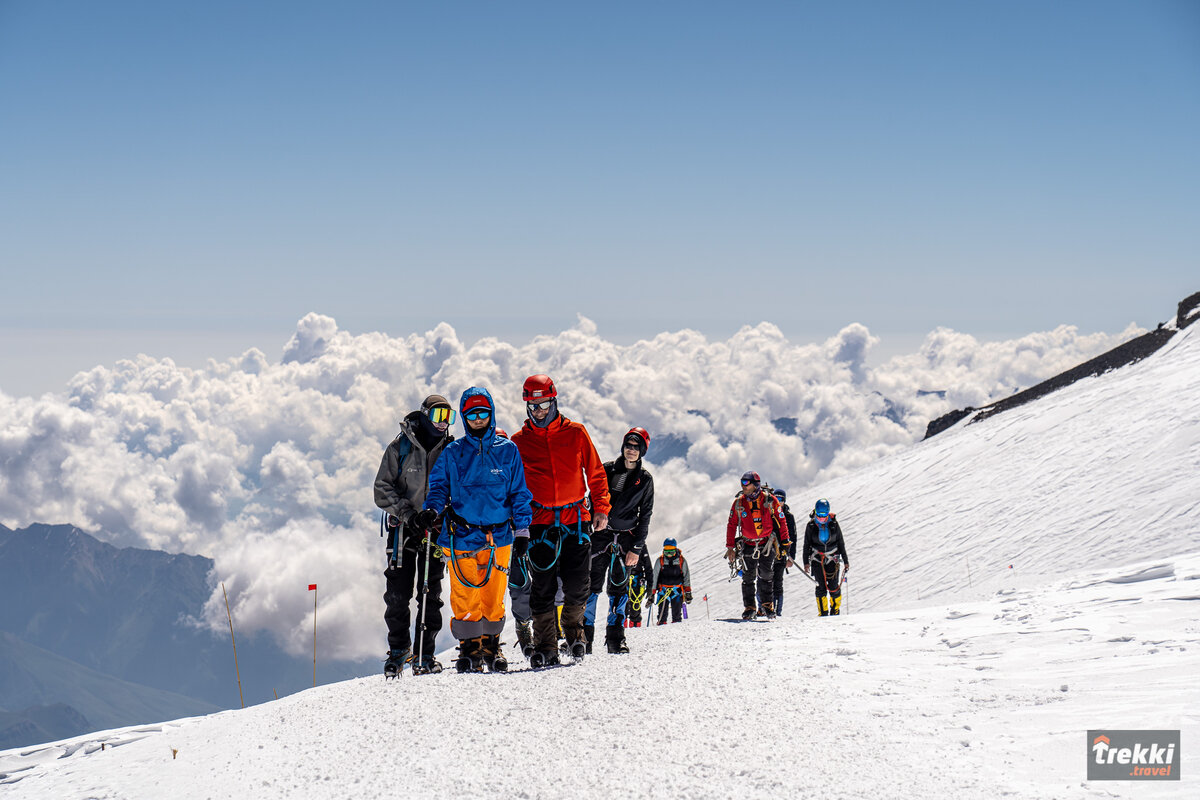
(1015,582)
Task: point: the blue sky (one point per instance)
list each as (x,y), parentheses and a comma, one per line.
(187,179)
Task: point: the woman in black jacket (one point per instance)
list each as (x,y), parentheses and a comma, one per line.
(824,548)
(617,550)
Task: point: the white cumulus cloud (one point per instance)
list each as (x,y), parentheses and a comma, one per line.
(267,466)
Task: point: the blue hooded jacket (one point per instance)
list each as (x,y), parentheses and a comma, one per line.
(483,480)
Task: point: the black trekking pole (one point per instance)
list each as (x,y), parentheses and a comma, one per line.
(422,603)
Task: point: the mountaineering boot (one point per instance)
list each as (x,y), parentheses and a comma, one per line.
(541,658)
(761,611)
(590,632)
(769,610)
(492,655)
(545,640)
(525,637)
(749,612)
(545,631)
(396,659)
(573,630)
(469,658)
(572,625)
(836,606)
(614,639)
(823,606)
(427,665)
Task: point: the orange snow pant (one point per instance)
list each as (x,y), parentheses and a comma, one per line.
(477,611)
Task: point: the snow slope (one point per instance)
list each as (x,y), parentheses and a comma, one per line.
(952,672)
(1104,472)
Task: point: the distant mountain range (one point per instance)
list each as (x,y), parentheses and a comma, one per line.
(66,699)
(94,636)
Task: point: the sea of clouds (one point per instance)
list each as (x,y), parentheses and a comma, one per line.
(267,465)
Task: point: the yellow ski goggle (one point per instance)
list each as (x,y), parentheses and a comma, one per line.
(440,414)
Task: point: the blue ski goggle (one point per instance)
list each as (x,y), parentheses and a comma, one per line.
(440,414)
(477,413)
(822,517)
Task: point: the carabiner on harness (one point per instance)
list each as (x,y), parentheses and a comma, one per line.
(615,558)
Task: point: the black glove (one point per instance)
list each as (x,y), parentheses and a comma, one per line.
(520,546)
(687,597)
(424,519)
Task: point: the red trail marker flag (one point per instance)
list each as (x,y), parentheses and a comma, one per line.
(312,587)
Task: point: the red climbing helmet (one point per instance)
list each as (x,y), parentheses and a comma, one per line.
(538,388)
(642,434)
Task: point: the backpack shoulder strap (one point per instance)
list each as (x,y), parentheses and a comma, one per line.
(403,446)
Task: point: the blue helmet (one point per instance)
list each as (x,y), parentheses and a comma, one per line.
(669,543)
(822,509)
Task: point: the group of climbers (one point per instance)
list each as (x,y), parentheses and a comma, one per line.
(534,507)
(760,544)
(540,516)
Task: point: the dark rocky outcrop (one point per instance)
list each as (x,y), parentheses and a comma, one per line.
(1120,356)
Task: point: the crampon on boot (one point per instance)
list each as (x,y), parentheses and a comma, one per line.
(579,650)
(525,637)
(394,664)
(749,612)
(543,658)
(614,639)
(469,657)
(769,610)
(493,658)
(427,665)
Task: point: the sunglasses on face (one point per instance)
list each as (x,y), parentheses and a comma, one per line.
(749,483)
(632,446)
(542,406)
(440,414)
(478,413)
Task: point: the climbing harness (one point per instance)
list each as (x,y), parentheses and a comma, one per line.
(557,525)
(450,524)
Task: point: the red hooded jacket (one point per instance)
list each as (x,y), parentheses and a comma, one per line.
(556,458)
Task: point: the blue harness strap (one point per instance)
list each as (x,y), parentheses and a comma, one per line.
(543,538)
(449,524)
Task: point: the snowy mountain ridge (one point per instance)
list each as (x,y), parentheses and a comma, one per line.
(1014,583)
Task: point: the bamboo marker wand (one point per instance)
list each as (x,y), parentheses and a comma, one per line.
(312,587)
(236,670)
